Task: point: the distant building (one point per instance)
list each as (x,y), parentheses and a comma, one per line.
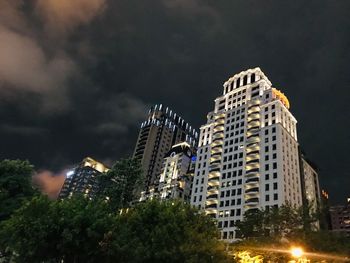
(310,186)
(177,173)
(175,180)
(162,130)
(247,157)
(340,218)
(82,179)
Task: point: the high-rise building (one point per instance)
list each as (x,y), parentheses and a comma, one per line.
(162,130)
(82,179)
(247,156)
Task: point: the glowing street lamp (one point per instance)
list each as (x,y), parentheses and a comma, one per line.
(296,252)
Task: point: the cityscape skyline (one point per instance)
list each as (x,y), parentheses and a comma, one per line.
(94,78)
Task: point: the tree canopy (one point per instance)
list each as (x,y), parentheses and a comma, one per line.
(83,230)
(122,184)
(15,185)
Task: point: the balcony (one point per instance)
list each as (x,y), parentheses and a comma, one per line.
(213,206)
(253,174)
(252,181)
(214,183)
(211,213)
(213,189)
(252,166)
(252,201)
(216,146)
(212,196)
(252,151)
(213,179)
(211,202)
(253,124)
(218,132)
(252,190)
(255,139)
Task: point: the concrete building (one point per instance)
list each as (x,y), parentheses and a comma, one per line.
(176,176)
(162,130)
(82,179)
(247,156)
(310,186)
(340,218)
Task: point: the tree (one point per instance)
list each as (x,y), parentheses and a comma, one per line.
(83,230)
(122,184)
(277,222)
(167,232)
(252,224)
(70,230)
(15,185)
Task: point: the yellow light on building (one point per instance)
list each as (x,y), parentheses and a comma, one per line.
(279,95)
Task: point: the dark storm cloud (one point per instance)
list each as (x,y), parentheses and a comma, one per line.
(102,63)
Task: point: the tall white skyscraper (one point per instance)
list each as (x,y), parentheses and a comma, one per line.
(248,152)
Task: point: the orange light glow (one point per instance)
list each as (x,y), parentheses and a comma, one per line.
(279,95)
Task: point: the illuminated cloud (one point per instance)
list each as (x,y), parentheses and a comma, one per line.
(63,16)
(50,183)
(31,60)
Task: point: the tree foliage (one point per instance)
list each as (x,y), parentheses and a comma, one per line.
(122,184)
(50,231)
(15,185)
(276,223)
(83,230)
(167,231)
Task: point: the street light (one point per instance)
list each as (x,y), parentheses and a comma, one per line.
(296,252)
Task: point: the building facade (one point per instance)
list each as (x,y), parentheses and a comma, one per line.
(310,184)
(82,179)
(247,156)
(340,218)
(162,130)
(177,173)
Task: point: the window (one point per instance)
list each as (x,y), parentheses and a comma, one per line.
(275,196)
(245,80)
(274,186)
(252,78)
(267,176)
(267,187)
(267,198)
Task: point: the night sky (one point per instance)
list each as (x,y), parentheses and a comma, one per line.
(77,77)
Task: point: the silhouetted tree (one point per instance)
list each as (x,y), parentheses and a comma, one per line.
(15,185)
